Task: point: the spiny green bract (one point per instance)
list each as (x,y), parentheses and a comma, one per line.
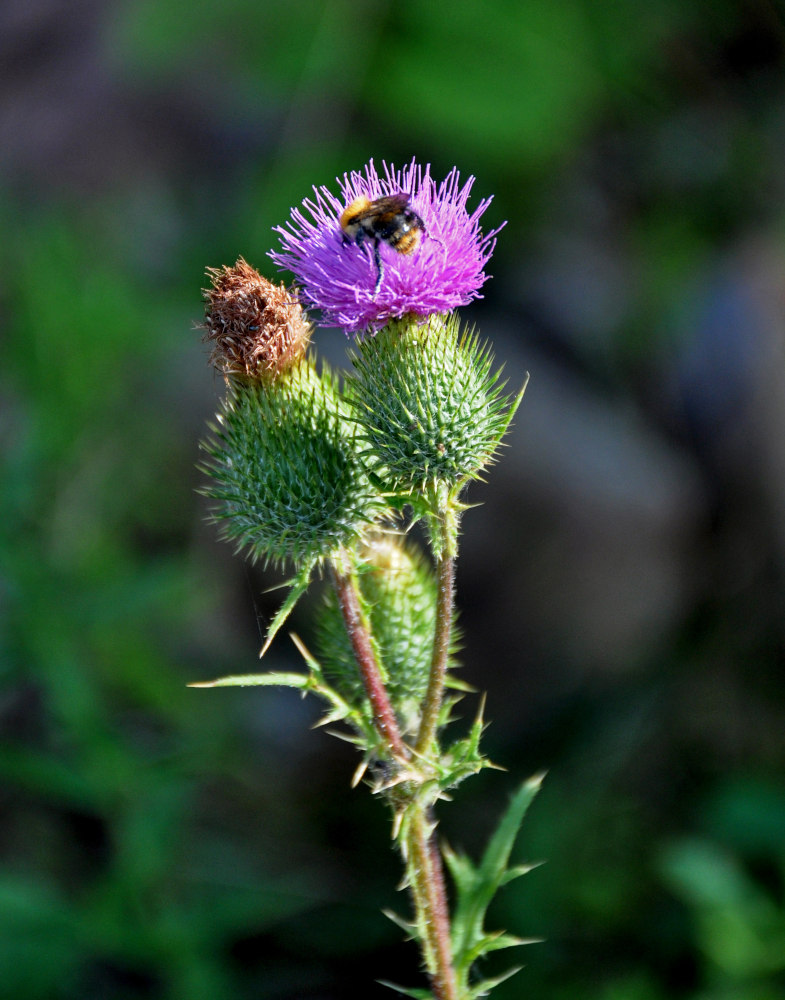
(290,484)
(399,596)
(430,409)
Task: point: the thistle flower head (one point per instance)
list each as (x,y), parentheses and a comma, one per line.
(258,330)
(362,284)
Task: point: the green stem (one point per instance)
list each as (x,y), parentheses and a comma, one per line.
(426,877)
(424,865)
(445,599)
(360,637)
(426,874)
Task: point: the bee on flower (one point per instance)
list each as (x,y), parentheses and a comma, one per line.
(390,220)
(413,247)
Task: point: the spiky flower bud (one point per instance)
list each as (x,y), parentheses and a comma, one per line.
(398,591)
(431,411)
(290,485)
(258,330)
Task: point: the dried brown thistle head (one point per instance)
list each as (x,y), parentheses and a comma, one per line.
(258,330)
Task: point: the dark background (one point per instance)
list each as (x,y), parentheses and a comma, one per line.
(621,586)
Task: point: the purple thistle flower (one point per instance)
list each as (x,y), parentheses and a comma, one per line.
(340,277)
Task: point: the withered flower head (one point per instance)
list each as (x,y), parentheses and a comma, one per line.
(258,330)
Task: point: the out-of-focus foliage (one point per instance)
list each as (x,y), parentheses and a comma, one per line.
(158,842)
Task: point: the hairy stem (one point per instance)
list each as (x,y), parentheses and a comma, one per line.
(426,874)
(360,637)
(430,901)
(445,598)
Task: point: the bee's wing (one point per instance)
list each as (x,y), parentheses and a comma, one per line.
(392,204)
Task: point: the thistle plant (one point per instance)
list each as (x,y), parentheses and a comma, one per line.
(324,477)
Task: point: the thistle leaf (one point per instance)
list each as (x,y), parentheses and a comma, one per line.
(494,863)
(272,679)
(484,987)
(299,586)
(476,887)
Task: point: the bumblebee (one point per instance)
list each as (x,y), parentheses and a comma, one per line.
(388,220)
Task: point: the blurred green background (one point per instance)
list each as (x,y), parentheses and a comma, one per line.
(621,586)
